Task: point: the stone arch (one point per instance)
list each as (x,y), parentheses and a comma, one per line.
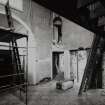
(31,46)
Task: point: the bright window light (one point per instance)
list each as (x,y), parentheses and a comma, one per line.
(16,4)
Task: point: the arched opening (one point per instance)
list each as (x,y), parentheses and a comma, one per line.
(22,27)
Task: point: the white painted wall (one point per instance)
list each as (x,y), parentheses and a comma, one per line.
(78,63)
(38,21)
(67,65)
(73,37)
(16,4)
(42,33)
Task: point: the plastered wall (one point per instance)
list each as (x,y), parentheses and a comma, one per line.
(42,30)
(39,20)
(75,36)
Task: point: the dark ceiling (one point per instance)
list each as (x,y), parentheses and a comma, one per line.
(66,9)
(86,13)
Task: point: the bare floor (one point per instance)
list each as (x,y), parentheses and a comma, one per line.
(47,94)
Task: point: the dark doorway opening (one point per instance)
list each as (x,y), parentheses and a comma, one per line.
(55,63)
(6,68)
(96,80)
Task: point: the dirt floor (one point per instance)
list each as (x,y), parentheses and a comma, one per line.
(47,94)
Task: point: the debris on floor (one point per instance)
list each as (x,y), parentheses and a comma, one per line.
(67,85)
(10,99)
(47,94)
(60,76)
(103,92)
(64,85)
(44,80)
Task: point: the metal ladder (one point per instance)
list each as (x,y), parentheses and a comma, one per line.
(14,48)
(94,58)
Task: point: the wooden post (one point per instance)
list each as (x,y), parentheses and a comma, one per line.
(66,64)
(103,72)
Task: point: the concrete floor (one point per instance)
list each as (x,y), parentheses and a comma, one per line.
(46,94)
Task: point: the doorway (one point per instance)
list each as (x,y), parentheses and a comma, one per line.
(57,63)
(96,79)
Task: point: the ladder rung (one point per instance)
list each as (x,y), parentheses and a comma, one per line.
(90,65)
(10,86)
(5,76)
